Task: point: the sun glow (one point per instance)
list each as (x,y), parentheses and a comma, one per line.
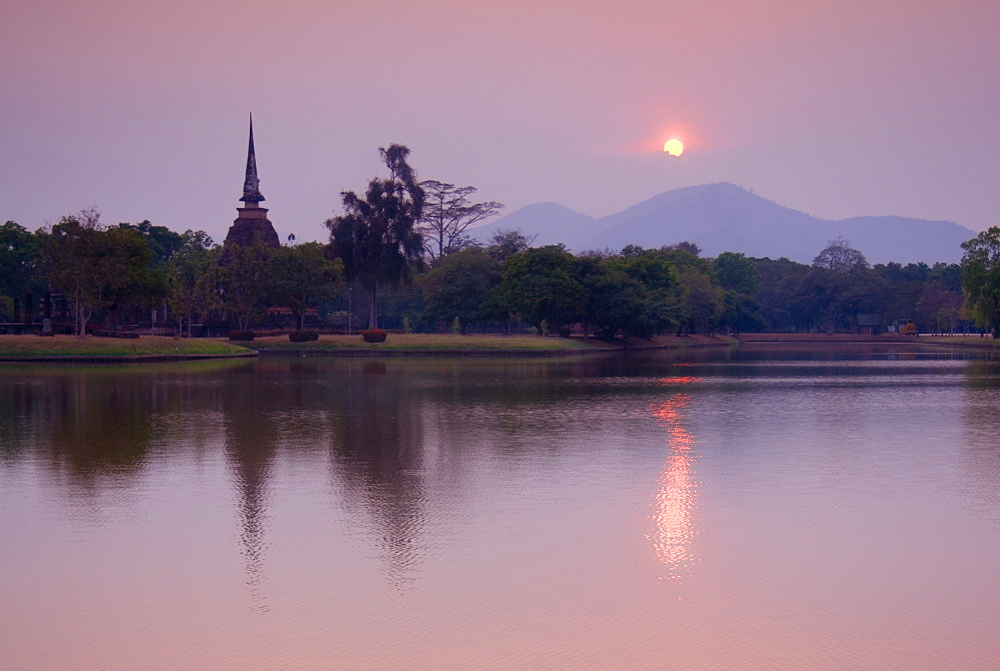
(673,146)
(673,520)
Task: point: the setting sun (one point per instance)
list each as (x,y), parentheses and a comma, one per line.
(673,146)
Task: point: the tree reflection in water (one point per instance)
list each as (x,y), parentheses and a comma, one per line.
(251,442)
(378,461)
(673,520)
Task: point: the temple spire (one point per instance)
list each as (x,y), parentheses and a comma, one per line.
(251,186)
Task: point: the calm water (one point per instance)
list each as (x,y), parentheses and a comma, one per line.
(758,508)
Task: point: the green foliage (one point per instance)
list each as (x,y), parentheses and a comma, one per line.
(242,276)
(98,268)
(736,273)
(738,277)
(189,276)
(375,238)
(241,335)
(302,277)
(21,274)
(660,291)
(6,308)
(981,279)
(374,335)
(539,284)
(461,287)
(162,242)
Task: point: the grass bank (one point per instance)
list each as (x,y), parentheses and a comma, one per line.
(160,348)
(973,341)
(429,341)
(423,344)
(31,347)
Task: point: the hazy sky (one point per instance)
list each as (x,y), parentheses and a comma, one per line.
(837,108)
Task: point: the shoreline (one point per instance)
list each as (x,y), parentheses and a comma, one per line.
(431,346)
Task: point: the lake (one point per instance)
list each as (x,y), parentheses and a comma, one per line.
(759,507)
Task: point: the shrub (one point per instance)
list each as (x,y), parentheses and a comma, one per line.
(565,332)
(241,335)
(303,336)
(374,335)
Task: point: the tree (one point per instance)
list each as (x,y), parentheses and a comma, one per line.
(242,271)
(615,301)
(376,238)
(506,242)
(839,257)
(447,214)
(656,272)
(461,286)
(20,269)
(142,285)
(539,285)
(981,279)
(187,271)
(738,277)
(302,276)
(91,264)
(161,240)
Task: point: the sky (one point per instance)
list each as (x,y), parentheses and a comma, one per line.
(834,107)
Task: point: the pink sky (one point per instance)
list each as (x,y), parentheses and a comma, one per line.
(836,108)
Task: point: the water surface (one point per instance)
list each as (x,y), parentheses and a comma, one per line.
(754,508)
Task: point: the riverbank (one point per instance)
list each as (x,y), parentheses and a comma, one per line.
(970,341)
(70,349)
(92,349)
(429,345)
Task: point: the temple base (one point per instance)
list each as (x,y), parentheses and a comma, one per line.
(252,221)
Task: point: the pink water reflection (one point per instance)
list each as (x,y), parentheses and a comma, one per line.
(673,522)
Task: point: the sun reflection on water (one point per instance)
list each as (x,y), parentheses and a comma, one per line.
(673,520)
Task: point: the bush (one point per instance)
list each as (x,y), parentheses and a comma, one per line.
(565,332)
(241,335)
(303,336)
(374,335)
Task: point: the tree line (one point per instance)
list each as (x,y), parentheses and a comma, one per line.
(401,256)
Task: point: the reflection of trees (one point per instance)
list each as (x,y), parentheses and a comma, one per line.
(95,422)
(673,521)
(980,456)
(250,449)
(379,451)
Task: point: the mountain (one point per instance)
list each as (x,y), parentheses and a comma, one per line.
(724,217)
(551,223)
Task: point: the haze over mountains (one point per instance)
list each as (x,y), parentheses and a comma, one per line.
(726,218)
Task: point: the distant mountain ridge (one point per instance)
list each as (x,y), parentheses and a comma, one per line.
(723,217)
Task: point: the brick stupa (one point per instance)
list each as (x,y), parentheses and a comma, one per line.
(253,218)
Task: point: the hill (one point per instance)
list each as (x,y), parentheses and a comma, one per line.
(724,217)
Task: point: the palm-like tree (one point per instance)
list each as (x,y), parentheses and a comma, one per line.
(375,237)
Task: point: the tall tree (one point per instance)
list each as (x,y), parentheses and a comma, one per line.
(448,214)
(302,277)
(376,238)
(981,279)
